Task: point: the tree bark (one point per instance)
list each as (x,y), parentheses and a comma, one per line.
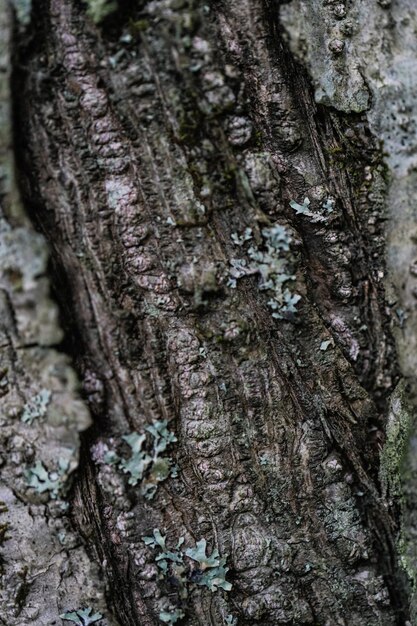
(218,234)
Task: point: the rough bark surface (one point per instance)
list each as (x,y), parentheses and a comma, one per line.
(362,58)
(166,154)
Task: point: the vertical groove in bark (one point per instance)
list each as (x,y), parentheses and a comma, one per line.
(141,157)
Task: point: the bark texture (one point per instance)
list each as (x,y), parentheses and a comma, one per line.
(362,58)
(44,567)
(166,154)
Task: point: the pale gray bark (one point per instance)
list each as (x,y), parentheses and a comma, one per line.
(44,568)
(363,57)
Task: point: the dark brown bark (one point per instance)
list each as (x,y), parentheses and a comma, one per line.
(144,145)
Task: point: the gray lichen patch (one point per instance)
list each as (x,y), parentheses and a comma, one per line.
(143,467)
(273,264)
(56,574)
(36,407)
(407,542)
(362,60)
(187,568)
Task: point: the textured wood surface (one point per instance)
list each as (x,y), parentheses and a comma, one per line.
(147,146)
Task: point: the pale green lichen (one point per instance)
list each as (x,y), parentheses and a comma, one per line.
(170,562)
(82,617)
(138,462)
(407,563)
(211,572)
(98,10)
(238,269)
(212,568)
(239,240)
(43,480)
(325,344)
(171,615)
(199,554)
(36,407)
(147,468)
(273,265)
(158,540)
(303,208)
(321,215)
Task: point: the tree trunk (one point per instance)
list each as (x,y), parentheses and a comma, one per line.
(220,241)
